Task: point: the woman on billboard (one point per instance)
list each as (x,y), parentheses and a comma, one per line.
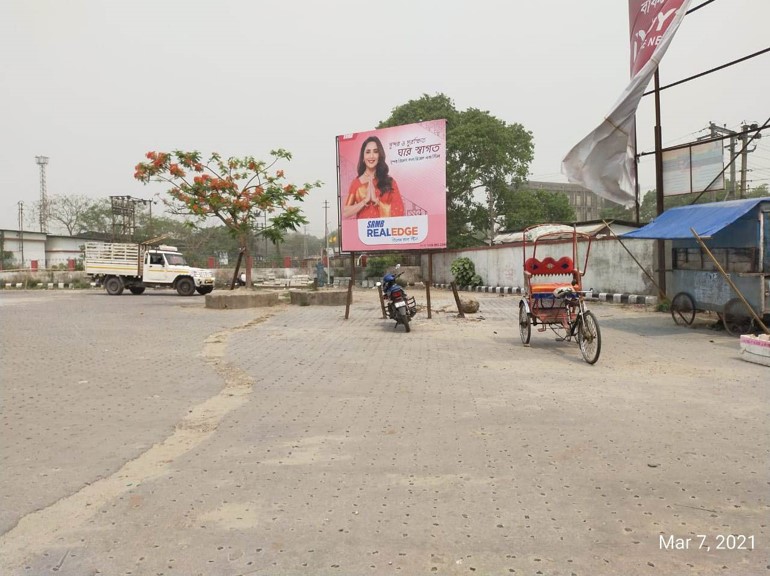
(373,194)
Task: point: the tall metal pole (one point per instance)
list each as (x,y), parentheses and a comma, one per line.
(661,244)
(732,190)
(21,232)
(636,176)
(326,242)
(42,161)
(744,158)
(732,166)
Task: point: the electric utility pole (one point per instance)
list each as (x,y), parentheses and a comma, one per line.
(21,231)
(326,240)
(724,131)
(743,136)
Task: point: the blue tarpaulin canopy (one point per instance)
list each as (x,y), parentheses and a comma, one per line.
(705,219)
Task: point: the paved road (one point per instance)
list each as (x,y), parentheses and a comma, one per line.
(149,435)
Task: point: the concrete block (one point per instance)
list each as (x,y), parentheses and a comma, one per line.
(319,298)
(225,300)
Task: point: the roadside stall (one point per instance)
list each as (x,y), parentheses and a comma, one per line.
(719,261)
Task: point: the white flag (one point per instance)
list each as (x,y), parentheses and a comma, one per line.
(603,161)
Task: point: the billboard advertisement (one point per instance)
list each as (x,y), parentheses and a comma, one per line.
(691,168)
(648,21)
(392,188)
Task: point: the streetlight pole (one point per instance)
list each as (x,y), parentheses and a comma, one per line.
(326,241)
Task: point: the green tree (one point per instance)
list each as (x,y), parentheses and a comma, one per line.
(485,157)
(523,207)
(237,191)
(757,191)
(97,217)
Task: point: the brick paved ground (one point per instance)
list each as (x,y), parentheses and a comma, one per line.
(291,441)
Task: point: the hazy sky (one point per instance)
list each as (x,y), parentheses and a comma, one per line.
(94,85)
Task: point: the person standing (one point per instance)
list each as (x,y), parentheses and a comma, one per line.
(373,193)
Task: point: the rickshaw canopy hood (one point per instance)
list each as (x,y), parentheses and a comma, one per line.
(705,219)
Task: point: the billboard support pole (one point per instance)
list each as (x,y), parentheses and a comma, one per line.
(660,207)
(349,299)
(460,312)
(430,281)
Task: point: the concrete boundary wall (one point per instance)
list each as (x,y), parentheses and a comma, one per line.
(610,269)
(616,298)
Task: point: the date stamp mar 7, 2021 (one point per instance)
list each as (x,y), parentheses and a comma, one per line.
(706,542)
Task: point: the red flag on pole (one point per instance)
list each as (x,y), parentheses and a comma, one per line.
(603,161)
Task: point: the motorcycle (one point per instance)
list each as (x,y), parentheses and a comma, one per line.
(400,307)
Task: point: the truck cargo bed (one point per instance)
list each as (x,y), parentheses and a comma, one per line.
(112,259)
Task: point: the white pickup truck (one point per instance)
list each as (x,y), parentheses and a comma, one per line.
(118,266)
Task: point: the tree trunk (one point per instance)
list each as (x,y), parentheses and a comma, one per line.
(246,263)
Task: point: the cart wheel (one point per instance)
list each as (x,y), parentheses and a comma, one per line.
(736,318)
(683,309)
(525,326)
(589,338)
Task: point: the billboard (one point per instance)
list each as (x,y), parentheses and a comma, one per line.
(648,21)
(690,169)
(392,188)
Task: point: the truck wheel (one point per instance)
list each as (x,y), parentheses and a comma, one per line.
(114,286)
(136,290)
(185,287)
(204,289)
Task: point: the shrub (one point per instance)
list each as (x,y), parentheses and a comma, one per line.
(377,265)
(80,283)
(464,272)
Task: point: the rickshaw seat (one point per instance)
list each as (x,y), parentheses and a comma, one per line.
(549,266)
(547,289)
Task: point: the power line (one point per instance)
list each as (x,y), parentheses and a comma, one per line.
(691,10)
(678,82)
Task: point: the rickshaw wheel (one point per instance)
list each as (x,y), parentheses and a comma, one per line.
(525,325)
(736,319)
(589,338)
(683,309)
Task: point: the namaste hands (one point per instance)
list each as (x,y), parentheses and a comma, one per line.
(371,193)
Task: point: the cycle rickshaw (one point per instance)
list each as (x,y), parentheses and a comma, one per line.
(554,298)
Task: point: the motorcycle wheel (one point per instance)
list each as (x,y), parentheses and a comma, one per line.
(404,319)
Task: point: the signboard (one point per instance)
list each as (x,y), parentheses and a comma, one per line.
(392,188)
(692,168)
(648,21)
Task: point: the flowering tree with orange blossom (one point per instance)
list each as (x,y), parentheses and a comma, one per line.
(237,191)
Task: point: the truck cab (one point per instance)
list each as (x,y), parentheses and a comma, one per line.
(135,267)
(165,266)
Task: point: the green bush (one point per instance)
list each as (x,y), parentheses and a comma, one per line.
(377,265)
(464,272)
(80,283)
